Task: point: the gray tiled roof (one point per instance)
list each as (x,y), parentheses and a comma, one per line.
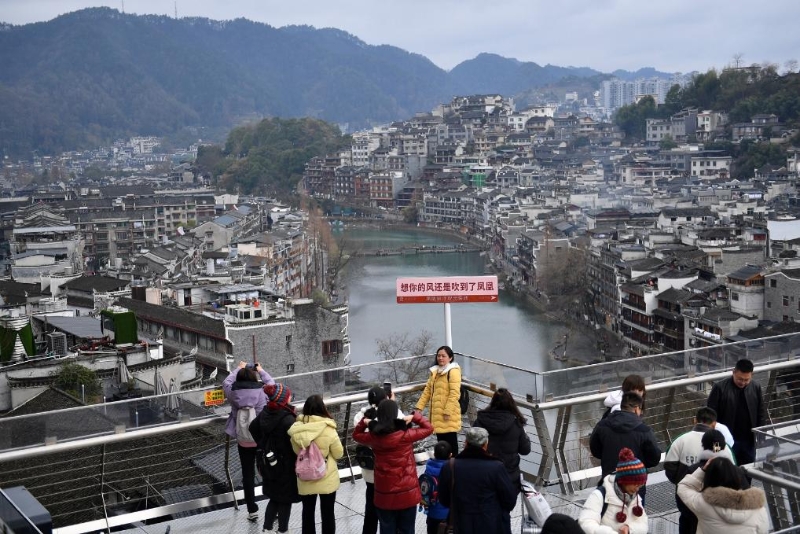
(176,316)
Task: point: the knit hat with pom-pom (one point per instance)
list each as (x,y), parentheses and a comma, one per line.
(630,470)
(279,395)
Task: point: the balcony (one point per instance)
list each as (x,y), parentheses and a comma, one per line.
(628,303)
(99,467)
(641,326)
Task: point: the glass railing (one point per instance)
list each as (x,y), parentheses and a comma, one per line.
(204,402)
(667,366)
(208,401)
(778,449)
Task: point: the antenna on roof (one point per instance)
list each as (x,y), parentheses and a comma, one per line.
(123,6)
(176,10)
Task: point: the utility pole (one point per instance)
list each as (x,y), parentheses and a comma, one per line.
(176,10)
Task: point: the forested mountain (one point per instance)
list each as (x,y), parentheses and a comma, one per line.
(95,75)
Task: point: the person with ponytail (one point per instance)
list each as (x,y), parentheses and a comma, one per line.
(615,506)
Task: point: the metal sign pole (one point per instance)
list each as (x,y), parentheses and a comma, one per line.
(448,330)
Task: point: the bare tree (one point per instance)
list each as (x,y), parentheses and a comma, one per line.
(790,66)
(398,346)
(737,59)
(402,345)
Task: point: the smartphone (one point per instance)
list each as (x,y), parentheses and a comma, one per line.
(387,387)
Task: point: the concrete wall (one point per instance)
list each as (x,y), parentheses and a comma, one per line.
(774,310)
(310,327)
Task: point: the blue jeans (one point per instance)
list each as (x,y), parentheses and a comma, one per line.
(397,521)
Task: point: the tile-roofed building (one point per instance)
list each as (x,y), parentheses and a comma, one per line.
(101,284)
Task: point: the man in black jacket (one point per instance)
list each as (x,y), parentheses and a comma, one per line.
(740,406)
(477,488)
(624,428)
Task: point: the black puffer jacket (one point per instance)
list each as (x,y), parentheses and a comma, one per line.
(271,428)
(507,440)
(623,429)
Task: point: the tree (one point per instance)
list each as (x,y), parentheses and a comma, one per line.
(398,346)
(632,119)
(667,143)
(561,275)
(77,380)
(411,214)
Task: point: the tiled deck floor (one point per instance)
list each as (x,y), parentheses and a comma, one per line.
(350,506)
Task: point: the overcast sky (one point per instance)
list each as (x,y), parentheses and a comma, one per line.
(670,35)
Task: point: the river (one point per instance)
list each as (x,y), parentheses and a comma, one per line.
(509,331)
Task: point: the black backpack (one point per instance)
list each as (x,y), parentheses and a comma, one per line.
(365,458)
(463,399)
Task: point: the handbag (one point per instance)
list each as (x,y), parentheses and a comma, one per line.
(450,526)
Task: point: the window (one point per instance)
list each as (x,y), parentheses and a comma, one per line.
(786,300)
(289,341)
(331,348)
(289,368)
(734,296)
(769,305)
(773,283)
(785,318)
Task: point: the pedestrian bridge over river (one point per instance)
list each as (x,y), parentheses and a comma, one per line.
(420,249)
(103,467)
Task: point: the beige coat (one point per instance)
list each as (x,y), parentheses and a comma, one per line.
(723,509)
(322,431)
(441,397)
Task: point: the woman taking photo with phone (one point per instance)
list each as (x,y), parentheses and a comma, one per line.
(397,492)
(243,389)
(441,395)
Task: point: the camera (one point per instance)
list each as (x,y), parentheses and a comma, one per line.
(251,366)
(387,387)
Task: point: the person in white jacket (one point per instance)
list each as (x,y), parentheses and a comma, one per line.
(633,383)
(614,507)
(713,493)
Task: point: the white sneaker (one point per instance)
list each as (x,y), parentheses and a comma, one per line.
(252,516)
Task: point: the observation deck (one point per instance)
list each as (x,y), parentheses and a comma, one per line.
(162,463)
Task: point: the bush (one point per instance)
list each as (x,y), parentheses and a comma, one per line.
(72,376)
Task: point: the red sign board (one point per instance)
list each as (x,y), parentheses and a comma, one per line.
(447,289)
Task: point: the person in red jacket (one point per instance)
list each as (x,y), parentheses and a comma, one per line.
(392,440)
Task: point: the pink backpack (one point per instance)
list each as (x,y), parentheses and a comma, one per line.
(310,464)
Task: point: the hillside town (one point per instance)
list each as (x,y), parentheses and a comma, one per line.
(670,251)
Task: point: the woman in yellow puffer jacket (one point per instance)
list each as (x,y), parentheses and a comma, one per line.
(441,395)
(317,425)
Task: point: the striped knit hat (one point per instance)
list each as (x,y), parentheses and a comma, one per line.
(630,470)
(278,394)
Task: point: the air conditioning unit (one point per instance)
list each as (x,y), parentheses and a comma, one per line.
(57,343)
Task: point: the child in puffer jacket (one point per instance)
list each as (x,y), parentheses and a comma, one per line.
(437,512)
